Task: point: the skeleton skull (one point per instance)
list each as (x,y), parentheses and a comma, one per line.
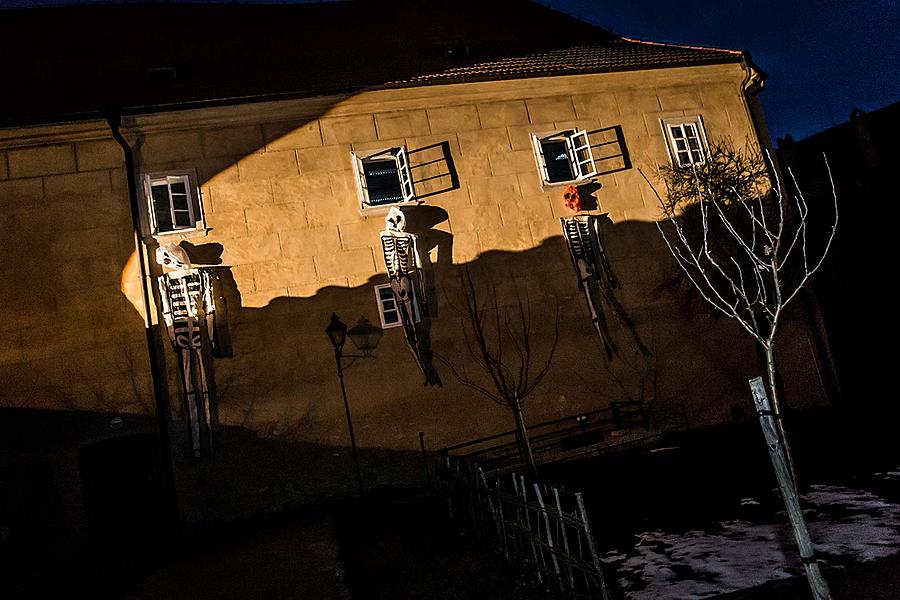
(395,220)
(173,256)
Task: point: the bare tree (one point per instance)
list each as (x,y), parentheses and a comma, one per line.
(743,247)
(499,340)
(747,252)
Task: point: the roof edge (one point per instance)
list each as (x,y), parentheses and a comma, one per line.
(685,46)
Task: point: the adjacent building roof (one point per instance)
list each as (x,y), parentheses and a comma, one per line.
(76,62)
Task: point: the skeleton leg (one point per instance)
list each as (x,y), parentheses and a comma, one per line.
(190,399)
(598,319)
(402,289)
(204,397)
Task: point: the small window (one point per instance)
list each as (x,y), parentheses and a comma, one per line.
(686,141)
(387,306)
(173,202)
(384,178)
(564,156)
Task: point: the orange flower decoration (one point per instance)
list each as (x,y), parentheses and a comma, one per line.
(572,199)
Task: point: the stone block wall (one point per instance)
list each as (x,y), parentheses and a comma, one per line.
(71,338)
(282,210)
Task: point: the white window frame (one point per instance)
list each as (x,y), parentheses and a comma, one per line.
(381,310)
(401,160)
(576,141)
(684,125)
(194,201)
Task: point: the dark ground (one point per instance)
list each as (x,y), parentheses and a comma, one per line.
(877,580)
(402,547)
(700,477)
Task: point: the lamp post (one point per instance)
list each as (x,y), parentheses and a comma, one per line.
(364,336)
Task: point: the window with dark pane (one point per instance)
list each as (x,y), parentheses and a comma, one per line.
(686,142)
(556,158)
(680,145)
(161,207)
(174,203)
(382,181)
(181,207)
(387,306)
(693,142)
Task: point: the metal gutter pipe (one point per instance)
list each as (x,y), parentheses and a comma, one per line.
(160,392)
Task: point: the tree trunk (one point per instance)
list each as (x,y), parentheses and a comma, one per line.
(776,408)
(522,437)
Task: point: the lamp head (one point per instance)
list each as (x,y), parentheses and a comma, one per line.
(337,332)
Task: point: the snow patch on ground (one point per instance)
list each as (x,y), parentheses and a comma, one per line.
(846,525)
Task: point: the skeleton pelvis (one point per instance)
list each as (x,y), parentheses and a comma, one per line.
(187,337)
(402,288)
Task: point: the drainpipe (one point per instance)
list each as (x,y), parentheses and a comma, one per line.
(753,84)
(160,392)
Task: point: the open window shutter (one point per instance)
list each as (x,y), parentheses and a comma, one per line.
(151,209)
(406,185)
(693,142)
(573,158)
(360,180)
(542,161)
(582,157)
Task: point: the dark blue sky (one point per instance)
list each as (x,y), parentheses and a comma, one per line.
(824,57)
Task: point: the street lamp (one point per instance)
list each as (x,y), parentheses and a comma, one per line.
(365,337)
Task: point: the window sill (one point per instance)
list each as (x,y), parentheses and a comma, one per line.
(382,209)
(183,234)
(545,187)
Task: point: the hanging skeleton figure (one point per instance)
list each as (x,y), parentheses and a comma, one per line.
(592,267)
(404,268)
(186,296)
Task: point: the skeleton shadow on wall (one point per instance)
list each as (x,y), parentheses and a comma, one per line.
(621,320)
(422,221)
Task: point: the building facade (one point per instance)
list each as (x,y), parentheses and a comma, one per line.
(283,202)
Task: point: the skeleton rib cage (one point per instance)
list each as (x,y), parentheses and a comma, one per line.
(590,264)
(398,255)
(578,237)
(182,296)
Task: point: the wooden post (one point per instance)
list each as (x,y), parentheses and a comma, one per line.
(565,540)
(425,458)
(589,537)
(502,518)
(527,527)
(550,544)
(450,490)
(489,501)
(775,445)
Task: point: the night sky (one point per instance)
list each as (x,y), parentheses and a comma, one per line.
(824,57)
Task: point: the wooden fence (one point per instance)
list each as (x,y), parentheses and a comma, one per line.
(540,525)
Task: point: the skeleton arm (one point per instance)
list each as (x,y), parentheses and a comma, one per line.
(420,272)
(165,306)
(209,310)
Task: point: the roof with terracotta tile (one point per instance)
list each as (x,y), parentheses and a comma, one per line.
(621,54)
(76,62)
